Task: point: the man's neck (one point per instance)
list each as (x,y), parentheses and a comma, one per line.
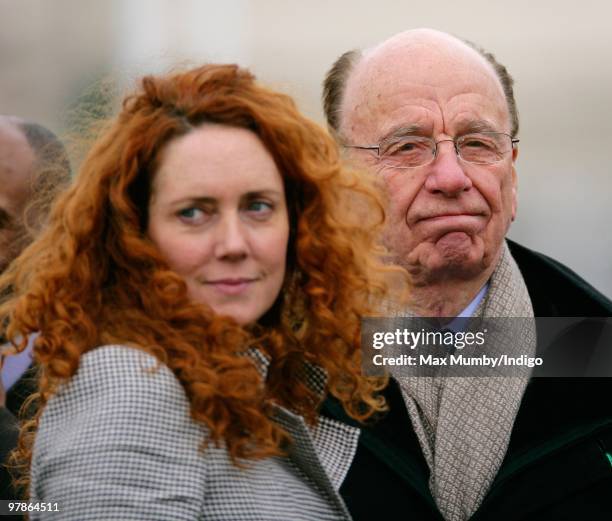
(446,298)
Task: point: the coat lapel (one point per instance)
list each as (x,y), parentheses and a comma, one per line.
(325,463)
(391,440)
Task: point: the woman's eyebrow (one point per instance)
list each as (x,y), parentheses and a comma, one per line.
(264,192)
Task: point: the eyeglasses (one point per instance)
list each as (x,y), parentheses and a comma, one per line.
(482,148)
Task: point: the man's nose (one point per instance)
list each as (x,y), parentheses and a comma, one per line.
(231,241)
(446,175)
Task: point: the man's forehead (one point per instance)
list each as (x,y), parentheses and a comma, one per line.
(12,139)
(422,46)
(16,160)
(421,66)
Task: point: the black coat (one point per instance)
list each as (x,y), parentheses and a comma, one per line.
(9,431)
(558,465)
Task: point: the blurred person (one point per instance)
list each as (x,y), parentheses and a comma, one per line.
(435,118)
(197,292)
(34,167)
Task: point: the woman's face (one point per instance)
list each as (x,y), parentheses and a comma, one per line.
(218,215)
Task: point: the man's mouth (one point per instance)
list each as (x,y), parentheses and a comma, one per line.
(437,225)
(448,216)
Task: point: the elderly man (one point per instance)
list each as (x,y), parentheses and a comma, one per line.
(435,118)
(34,166)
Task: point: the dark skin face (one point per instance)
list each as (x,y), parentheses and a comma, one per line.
(16,165)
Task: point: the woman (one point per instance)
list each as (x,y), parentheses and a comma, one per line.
(197,292)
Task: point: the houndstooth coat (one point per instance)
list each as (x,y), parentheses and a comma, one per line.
(118,443)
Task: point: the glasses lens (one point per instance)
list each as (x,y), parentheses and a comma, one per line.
(484,148)
(407,151)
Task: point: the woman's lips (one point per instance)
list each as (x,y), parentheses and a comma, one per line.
(230,286)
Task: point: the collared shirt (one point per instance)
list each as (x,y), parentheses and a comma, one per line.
(14,366)
(457,324)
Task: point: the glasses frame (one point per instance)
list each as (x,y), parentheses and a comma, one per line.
(513,142)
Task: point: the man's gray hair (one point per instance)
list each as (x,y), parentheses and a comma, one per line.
(51,174)
(47,147)
(334,85)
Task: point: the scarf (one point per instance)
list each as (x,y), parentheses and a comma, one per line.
(463,424)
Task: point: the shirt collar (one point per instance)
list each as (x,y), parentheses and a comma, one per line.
(458,323)
(14,366)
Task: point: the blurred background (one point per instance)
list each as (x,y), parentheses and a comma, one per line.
(560,53)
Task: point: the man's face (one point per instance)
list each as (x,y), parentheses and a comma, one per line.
(16,163)
(446,219)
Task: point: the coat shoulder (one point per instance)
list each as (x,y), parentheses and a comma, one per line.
(555,289)
(118,441)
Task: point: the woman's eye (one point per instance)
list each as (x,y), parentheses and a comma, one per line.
(191,215)
(259,207)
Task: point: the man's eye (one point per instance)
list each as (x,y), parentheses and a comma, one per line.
(407,147)
(477,143)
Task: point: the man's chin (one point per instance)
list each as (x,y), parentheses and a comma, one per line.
(455,255)
(453,246)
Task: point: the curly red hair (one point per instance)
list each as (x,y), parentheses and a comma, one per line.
(93,277)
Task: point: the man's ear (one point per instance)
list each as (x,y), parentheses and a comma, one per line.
(514,153)
(514,182)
